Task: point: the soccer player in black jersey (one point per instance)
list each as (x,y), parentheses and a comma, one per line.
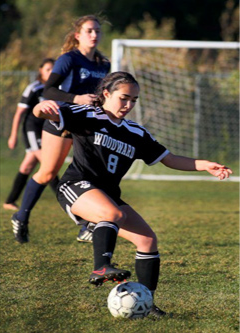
(32,131)
(105,146)
(74,78)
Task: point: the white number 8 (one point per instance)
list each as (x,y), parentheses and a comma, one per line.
(112,163)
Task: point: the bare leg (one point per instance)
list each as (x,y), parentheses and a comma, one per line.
(54,151)
(28,164)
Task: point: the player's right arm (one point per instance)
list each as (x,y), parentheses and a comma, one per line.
(12,141)
(47,110)
(64,117)
(52,91)
(62,68)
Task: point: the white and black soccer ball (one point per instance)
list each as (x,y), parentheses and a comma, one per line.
(130,300)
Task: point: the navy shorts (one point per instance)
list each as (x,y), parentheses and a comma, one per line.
(51,128)
(70,191)
(32,134)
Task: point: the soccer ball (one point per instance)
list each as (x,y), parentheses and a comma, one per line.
(130,300)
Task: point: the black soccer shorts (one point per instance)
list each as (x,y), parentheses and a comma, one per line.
(70,191)
(32,133)
(51,128)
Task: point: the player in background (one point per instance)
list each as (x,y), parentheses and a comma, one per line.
(32,130)
(74,78)
(105,146)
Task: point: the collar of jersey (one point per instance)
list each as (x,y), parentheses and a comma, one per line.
(118,125)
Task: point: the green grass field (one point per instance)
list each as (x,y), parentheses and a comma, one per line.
(44,284)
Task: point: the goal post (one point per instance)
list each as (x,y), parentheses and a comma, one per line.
(189,99)
(119,44)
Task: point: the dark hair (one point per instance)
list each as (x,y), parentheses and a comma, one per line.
(45,61)
(111,82)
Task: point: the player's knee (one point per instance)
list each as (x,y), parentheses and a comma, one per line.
(120,216)
(45,177)
(26,169)
(148,243)
(117,216)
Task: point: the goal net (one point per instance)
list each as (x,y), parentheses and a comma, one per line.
(188,99)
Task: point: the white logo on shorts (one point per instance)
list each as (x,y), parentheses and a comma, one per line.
(83,184)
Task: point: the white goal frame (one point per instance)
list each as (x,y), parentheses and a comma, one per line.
(116,57)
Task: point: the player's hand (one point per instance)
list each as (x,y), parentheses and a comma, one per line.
(85,99)
(218,170)
(12,142)
(47,110)
(48,107)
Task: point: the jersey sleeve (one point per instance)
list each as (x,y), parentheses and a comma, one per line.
(52,91)
(61,69)
(28,97)
(72,118)
(152,151)
(63,65)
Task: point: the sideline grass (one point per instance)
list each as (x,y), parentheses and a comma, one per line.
(44,284)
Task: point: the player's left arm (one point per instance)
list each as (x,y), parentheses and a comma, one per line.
(47,110)
(190,164)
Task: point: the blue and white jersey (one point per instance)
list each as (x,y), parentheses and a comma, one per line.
(103,150)
(81,75)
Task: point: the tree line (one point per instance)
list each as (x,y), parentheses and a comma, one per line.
(31,30)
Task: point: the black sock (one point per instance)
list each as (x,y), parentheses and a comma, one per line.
(147,268)
(104,241)
(17,187)
(31,195)
(54,184)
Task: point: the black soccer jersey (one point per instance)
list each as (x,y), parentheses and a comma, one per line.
(31,96)
(103,150)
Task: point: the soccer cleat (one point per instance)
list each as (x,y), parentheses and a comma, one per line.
(108,273)
(156,312)
(20,230)
(86,233)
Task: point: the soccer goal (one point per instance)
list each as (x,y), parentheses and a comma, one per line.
(189,99)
